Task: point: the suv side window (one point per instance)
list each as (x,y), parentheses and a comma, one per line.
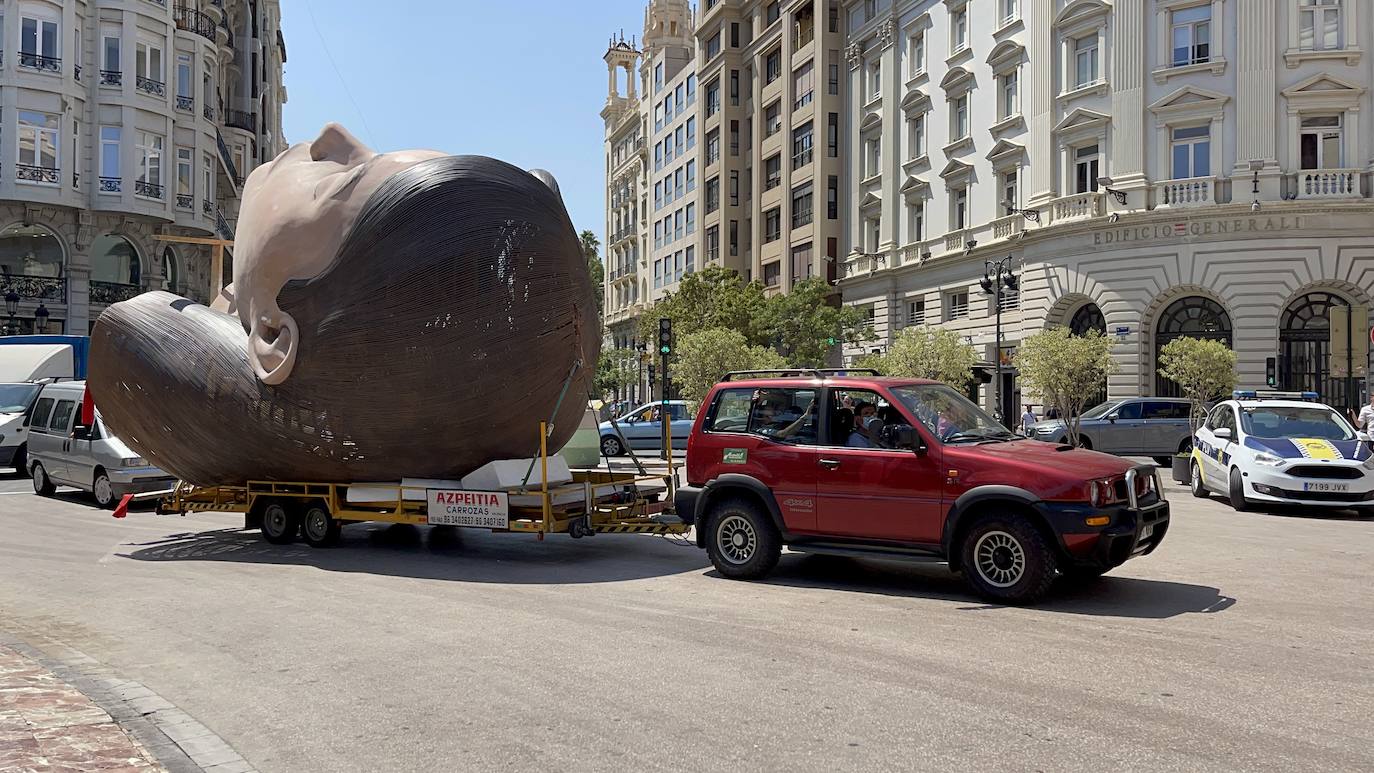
(845,409)
(730,411)
(1128,411)
(62,417)
(41,413)
(787,415)
(1163,410)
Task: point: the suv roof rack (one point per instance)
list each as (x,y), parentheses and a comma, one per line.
(738,375)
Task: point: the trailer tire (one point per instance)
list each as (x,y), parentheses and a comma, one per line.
(279,525)
(319,528)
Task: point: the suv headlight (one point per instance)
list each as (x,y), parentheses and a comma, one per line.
(134,461)
(1268,460)
(1044,430)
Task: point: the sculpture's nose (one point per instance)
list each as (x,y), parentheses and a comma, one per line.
(336,144)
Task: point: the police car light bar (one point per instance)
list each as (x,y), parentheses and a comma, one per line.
(1267,394)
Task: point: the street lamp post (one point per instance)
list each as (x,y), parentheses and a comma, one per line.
(997,275)
(40,319)
(12,307)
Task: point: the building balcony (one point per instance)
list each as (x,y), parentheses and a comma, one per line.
(148,190)
(150,86)
(957,241)
(222,226)
(240,119)
(186,201)
(1188,192)
(191,20)
(1077,206)
(1329,184)
(37,174)
(111,78)
(186,103)
(38,288)
(112,292)
(111,184)
(1007,227)
(40,62)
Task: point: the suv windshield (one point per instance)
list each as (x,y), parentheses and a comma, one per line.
(1295,422)
(1100,411)
(15,398)
(950,416)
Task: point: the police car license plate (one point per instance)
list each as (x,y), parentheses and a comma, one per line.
(1333,487)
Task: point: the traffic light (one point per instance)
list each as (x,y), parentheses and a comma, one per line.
(1271,371)
(651,375)
(665,336)
(830,341)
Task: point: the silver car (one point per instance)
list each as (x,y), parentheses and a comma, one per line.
(1135,426)
(65,452)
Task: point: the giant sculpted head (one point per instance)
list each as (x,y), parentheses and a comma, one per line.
(409,314)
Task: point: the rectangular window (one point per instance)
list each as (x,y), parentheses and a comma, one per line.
(916,312)
(772,225)
(734,34)
(958,117)
(712,243)
(916,136)
(678,225)
(691,219)
(772,274)
(917,213)
(658,156)
(712,195)
(916,54)
(772,172)
(1086,169)
(801,146)
(148,62)
(1191,152)
(42,411)
(39,145)
(207,182)
(1010,100)
(873,233)
(1009,11)
(678,190)
(1010,195)
(958,220)
(713,147)
(691,127)
(1319,25)
(184,84)
(691,89)
(734,138)
(691,259)
(1319,143)
(1085,60)
(875,79)
(801,205)
(833,74)
(772,119)
(712,98)
(832,135)
(658,234)
(772,66)
(109,61)
(713,45)
(38,44)
(185,194)
(150,164)
(772,12)
(734,188)
(958,25)
(668,149)
(679,141)
(658,75)
(803,85)
(1192,35)
(801,262)
(658,273)
(658,196)
(691,175)
(832,198)
(667,190)
(734,87)
(956,306)
(678,99)
(734,238)
(873,156)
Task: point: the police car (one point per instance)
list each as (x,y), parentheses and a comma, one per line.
(1281,448)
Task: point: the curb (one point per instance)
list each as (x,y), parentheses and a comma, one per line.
(171,736)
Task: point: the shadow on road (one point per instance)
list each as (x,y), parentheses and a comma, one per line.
(1300,511)
(401,550)
(1107,597)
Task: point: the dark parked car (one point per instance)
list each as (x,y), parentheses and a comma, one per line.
(1134,426)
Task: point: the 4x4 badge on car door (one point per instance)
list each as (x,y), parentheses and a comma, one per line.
(735,456)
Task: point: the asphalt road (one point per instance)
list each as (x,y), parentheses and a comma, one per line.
(1243,644)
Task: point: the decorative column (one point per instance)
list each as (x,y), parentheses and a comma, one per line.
(853,159)
(891,147)
(1041,54)
(1129,61)
(1256,49)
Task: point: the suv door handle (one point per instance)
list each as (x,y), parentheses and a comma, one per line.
(830,464)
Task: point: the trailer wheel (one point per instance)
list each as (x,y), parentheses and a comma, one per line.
(320,529)
(279,526)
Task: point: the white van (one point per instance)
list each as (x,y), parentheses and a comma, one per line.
(65,452)
(16,402)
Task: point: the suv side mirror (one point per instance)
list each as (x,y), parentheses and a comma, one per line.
(905,436)
(1111,417)
(81,432)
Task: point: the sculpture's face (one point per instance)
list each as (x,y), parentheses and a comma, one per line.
(296,212)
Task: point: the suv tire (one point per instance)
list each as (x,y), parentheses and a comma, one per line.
(1236,492)
(1195,483)
(741,540)
(1006,560)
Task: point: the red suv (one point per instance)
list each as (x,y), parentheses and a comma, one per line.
(895,468)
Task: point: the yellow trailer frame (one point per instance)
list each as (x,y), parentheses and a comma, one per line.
(586,514)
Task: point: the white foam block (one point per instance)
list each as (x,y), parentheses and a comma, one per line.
(510,473)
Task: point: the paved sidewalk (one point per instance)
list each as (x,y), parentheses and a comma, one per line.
(48,725)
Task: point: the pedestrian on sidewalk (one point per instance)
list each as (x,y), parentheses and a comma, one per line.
(1027,419)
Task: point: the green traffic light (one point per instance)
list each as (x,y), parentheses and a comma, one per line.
(830,341)
(664,349)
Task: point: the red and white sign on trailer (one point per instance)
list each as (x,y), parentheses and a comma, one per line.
(472,509)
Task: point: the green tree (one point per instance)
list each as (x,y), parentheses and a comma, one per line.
(802,323)
(1065,370)
(714,297)
(591,247)
(928,352)
(1204,370)
(705,356)
(616,370)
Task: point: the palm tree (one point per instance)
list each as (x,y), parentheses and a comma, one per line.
(591,247)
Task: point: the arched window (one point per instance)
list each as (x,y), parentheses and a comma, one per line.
(116,274)
(31,250)
(1089,317)
(171,278)
(1191,317)
(1305,344)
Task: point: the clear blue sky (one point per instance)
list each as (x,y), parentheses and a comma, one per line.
(519,80)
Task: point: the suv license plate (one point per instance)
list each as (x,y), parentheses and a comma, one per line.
(1333,487)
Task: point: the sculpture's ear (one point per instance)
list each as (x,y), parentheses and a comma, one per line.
(272,345)
(225,302)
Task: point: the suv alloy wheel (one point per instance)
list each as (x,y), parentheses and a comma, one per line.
(1006,560)
(741,541)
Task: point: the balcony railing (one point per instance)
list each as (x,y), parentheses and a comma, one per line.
(77,71)
(150,86)
(955,241)
(207,206)
(804,100)
(186,103)
(208,112)
(240,119)
(192,20)
(186,201)
(112,292)
(225,156)
(1329,184)
(111,78)
(1007,227)
(222,226)
(801,217)
(111,185)
(147,189)
(38,288)
(1188,192)
(1078,206)
(862,264)
(36,174)
(40,62)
